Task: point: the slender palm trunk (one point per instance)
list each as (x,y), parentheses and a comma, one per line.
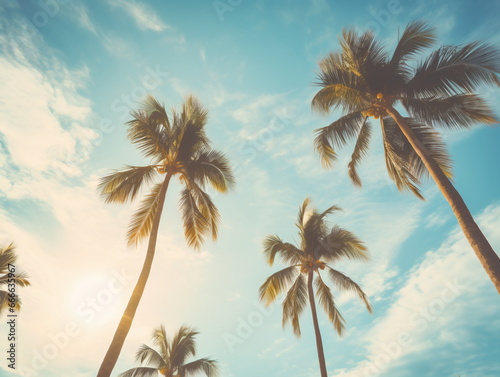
(319,342)
(484,252)
(121,332)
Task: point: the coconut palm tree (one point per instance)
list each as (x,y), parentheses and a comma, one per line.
(365,82)
(170,360)
(177,146)
(10,279)
(320,247)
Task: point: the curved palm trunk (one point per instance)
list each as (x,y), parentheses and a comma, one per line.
(319,342)
(121,332)
(484,252)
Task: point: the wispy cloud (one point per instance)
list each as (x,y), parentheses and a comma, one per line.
(80,13)
(436,307)
(41,110)
(143,16)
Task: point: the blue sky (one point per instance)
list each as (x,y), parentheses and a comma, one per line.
(70,73)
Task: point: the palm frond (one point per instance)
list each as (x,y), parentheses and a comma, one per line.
(193,110)
(428,137)
(398,165)
(360,152)
(327,301)
(150,134)
(155,111)
(335,96)
(143,218)
(140,372)
(183,346)
(314,230)
(451,70)
(7,256)
(5,303)
(124,185)
(337,135)
(20,279)
(295,303)
(273,245)
(148,355)
(212,166)
(205,365)
(195,224)
(345,283)
(302,212)
(362,53)
(276,284)
(206,207)
(189,128)
(160,339)
(416,37)
(341,243)
(457,111)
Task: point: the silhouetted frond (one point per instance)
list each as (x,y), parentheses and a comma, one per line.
(295,303)
(160,340)
(207,366)
(416,37)
(345,283)
(428,137)
(143,217)
(398,164)
(212,166)
(123,185)
(207,208)
(337,135)
(458,111)
(195,224)
(7,256)
(152,137)
(341,244)
(273,245)
(183,345)
(451,70)
(148,355)
(276,284)
(327,301)
(360,152)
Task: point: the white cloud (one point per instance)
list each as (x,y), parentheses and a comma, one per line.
(248,113)
(436,307)
(41,110)
(144,17)
(80,13)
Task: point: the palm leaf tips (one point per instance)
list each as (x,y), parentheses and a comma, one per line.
(171,358)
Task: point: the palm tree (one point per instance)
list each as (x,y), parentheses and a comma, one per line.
(170,360)
(10,279)
(319,247)
(177,146)
(364,81)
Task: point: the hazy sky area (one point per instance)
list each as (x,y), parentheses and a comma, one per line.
(70,72)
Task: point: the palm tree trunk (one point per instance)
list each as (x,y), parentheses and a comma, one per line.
(121,332)
(484,252)
(319,342)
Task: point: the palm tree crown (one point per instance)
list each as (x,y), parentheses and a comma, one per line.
(320,247)
(176,145)
(365,81)
(170,359)
(8,257)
